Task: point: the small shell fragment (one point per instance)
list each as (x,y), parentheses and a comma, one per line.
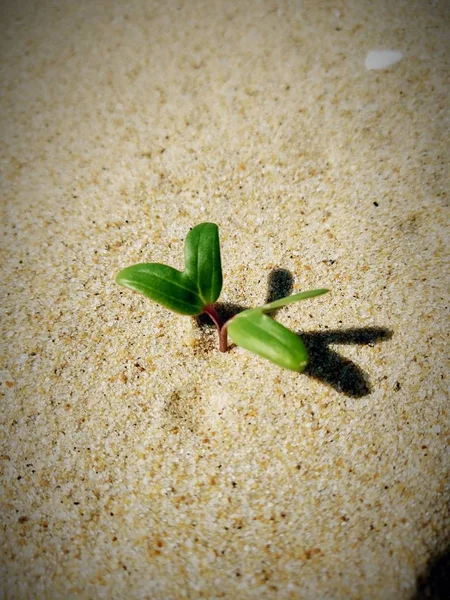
(382,59)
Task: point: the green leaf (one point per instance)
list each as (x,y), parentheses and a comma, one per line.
(165,285)
(291,299)
(186,292)
(202,260)
(255,331)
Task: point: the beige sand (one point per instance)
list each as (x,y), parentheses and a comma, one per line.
(138,461)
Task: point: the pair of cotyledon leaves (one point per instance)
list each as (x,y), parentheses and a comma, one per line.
(192,291)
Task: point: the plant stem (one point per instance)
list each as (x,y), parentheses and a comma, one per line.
(222,331)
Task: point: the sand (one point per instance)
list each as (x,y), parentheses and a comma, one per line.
(139,462)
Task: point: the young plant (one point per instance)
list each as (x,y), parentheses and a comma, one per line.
(196,289)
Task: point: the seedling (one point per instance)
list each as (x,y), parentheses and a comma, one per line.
(196,289)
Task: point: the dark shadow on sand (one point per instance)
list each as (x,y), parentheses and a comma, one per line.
(434,583)
(326,365)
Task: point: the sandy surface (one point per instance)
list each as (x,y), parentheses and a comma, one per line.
(138,461)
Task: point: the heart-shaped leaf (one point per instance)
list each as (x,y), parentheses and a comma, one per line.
(255,331)
(186,292)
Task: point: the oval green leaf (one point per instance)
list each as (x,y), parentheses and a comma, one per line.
(291,299)
(202,261)
(255,331)
(163,284)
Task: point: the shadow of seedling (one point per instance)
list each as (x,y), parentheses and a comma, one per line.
(434,583)
(331,368)
(325,364)
(280,283)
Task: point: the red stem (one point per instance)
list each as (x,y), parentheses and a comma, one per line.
(221,327)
